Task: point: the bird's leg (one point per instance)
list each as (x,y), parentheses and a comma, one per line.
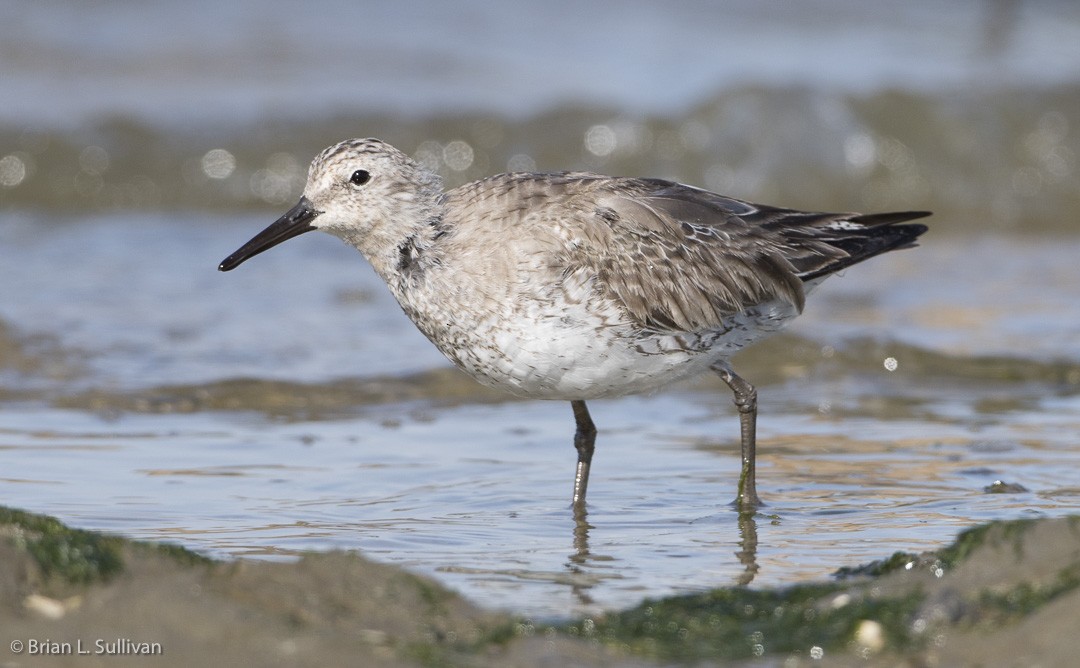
(746,403)
(584,443)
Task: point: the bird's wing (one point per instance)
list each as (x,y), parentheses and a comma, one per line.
(681,259)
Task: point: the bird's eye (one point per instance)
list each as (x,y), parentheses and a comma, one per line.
(359,177)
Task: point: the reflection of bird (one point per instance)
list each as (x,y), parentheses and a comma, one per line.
(576,286)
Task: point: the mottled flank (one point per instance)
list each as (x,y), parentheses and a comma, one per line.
(576,286)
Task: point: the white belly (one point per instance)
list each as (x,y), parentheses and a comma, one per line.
(599,355)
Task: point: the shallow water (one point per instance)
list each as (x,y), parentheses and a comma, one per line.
(477,495)
(290,405)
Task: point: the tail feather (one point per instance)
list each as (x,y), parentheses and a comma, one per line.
(891,218)
(837,242)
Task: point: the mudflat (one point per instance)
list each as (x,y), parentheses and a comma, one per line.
(1005,593)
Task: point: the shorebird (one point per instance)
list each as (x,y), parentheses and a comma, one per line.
(575,286)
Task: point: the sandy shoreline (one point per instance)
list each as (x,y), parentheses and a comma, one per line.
(1007,593)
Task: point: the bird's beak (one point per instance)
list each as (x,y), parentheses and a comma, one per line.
(296,221)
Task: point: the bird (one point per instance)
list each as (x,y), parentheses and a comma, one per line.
(577,286)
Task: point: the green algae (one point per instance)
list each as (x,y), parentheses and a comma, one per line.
(898,561)
(76,556)
(741,623)
(1026,597)
(972,539)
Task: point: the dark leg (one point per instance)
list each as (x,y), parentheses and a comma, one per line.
(746,402)
(585,443)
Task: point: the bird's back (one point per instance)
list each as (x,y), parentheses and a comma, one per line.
(676,258)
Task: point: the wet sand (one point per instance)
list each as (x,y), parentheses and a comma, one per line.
(1006,593)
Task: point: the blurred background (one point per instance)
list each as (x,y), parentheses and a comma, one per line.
(289,405)
(966,108)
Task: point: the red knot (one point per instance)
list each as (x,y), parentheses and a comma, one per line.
(576,286)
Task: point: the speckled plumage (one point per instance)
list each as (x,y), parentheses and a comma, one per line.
(576,286)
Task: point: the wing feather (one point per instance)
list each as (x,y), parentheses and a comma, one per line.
(680,262)
(683,259)
(674,257)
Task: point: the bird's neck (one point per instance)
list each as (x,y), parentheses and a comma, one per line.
(406,260)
